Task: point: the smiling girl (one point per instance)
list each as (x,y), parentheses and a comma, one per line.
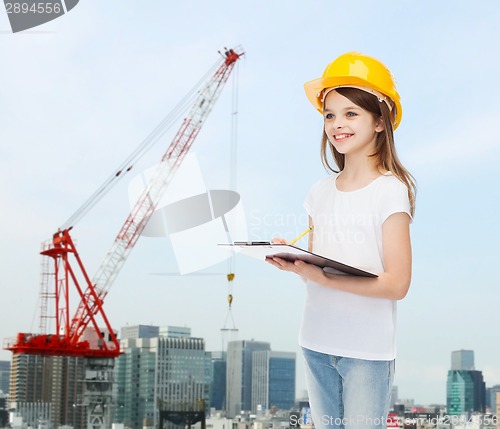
(361,215)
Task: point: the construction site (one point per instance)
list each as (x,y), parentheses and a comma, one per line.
(63,375)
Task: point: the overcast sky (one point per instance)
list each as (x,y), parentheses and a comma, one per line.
(80,93)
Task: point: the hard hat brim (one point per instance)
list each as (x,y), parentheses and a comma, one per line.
(314,88)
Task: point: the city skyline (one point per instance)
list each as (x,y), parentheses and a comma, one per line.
(79,98)
(461,361)
(160,370)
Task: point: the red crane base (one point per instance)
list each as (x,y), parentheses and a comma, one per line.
(52,345)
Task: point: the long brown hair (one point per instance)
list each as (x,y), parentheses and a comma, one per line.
(385,150)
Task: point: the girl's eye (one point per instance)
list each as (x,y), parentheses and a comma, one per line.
(351,114)
(329,116)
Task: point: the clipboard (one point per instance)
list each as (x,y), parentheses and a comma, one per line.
(262,250)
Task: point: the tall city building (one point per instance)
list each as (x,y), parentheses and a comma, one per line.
(172,371)
(218,390)
(175,331)
(465,387)
(239,375)
(4,414)
(493,398)
(48,386)
(462,360)
(66,391)
(4,376)
(394,397)
(140,331)
(273,380)
(28,379)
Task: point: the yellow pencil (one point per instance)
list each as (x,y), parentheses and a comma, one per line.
(307,231)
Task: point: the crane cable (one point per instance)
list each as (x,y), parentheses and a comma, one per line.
(232,186)
(178,111)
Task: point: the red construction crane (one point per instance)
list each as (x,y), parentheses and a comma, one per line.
(80,335)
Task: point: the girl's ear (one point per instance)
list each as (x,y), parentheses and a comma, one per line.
(379,125)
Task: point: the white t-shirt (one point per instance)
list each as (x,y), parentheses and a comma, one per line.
(348,228)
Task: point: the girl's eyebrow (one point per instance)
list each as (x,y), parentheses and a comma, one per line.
(345,108)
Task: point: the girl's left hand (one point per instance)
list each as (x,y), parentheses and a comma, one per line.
(303,269)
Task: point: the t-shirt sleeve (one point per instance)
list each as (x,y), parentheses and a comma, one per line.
(394,199)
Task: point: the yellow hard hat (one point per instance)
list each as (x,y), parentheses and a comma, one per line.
(357,70)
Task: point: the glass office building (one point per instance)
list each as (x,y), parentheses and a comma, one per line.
(465,392)
(218,390)
(273,380)
(239,374)
(168,370)
(462,360)
(4,376)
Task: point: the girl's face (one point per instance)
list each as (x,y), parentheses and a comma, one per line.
(349,128)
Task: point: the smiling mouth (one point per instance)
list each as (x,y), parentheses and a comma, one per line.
(340,137)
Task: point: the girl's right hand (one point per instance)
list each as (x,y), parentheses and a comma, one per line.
(279,240)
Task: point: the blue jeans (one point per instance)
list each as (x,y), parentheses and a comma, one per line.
(346,392)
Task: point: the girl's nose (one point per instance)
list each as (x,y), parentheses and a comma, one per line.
(338,124)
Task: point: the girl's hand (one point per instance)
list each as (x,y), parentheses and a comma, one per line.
(279,240)
(301,268)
